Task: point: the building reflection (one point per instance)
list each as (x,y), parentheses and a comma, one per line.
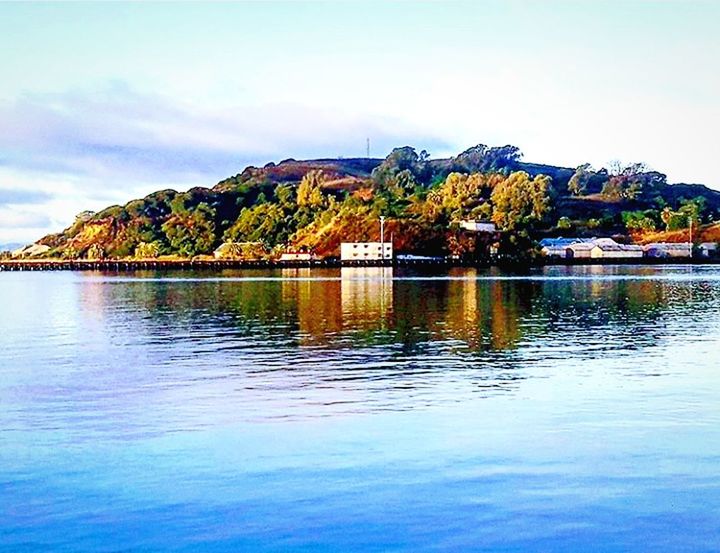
(366,297)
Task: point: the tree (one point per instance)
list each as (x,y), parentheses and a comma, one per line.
(147,250)
(263,223)
(613,189)
(95,251)
(519,202)
(404,182)
(694,208)
(689,212)
(564,223)
(632,182)
(577,185)
(285,197)
(309,192)
(483,159)
(403,159)
(638,220)
(190,232)
(461,196)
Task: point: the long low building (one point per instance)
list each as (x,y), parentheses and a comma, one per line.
(608,248)
(366,251)
(593,248)
(668,249)
(557,247)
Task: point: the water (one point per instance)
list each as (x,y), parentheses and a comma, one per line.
(572,409)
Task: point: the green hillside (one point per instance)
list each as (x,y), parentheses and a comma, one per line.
(316,204)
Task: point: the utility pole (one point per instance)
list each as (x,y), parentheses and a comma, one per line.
(367,147)
(691,238)
(382,235)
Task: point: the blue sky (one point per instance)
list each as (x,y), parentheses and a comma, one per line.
(104,102)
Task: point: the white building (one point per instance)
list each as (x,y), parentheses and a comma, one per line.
(296,256)
(477,226)
(668,249)
(365,251)
(708,249)
(579,250)
(558,247)
(609,249)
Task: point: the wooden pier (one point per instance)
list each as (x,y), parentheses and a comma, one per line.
(112,265)
(130,265)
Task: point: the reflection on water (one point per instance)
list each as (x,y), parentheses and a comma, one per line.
(574,408)
(315,307)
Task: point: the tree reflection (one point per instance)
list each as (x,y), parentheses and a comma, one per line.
(469,309)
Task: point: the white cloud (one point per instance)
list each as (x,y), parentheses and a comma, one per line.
(85,150)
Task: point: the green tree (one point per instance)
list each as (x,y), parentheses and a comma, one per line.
(403,159)
(263,223)
(564,223)
(309,193)
(689,212)
(190,232)
(519,201)
(147,250)
(638,221)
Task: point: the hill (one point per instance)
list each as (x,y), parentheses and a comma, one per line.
(316,204)
(705,233)
(11,246)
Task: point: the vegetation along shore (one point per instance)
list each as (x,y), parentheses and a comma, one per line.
(482,206)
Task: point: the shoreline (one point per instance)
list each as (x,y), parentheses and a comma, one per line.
(205,264)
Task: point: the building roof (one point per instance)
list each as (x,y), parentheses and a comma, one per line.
(578,246)
(561,242)
(668,246)
(387,244)
(609,245)
(605,244)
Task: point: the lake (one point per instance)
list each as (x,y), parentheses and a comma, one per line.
(571,409)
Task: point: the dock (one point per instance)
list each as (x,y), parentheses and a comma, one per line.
(117,265)
(131,265)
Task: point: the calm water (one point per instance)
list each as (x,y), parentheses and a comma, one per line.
(575,409)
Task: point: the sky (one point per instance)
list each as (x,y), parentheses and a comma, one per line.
(101,103)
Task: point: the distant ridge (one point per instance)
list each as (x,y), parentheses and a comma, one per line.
(11,246)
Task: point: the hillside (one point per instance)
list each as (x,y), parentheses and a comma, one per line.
(705,233)
(316,204)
